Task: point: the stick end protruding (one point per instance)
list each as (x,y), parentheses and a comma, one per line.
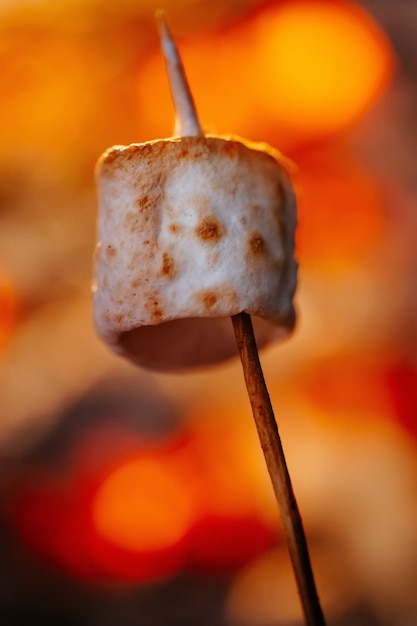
(186,118)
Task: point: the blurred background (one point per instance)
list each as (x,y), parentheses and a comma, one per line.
(133,498)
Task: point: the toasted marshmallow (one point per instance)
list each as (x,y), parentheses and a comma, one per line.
(191,231)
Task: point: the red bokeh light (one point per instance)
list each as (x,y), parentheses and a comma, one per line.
(8,309)
(145,515)
(401,381)
(53,524)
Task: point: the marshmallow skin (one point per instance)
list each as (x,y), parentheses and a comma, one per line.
(192,230)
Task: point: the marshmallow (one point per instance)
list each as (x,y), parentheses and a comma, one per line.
(191,231)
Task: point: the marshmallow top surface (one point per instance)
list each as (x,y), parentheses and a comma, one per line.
(191,231)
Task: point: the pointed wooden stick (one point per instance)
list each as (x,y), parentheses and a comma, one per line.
(187,123)
(277,467)
(186,118)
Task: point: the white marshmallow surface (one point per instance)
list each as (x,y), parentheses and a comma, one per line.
(191,231)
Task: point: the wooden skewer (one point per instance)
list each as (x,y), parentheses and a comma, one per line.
(188,124)
(270,440)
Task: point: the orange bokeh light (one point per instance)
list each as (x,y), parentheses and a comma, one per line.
(363,386)
(142,505)
(340,210)
(321,64)
(182,506)
(350,384)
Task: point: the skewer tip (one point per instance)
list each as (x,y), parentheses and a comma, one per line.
(168,46)
(186,118)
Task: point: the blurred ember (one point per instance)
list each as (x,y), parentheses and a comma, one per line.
(126,495)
